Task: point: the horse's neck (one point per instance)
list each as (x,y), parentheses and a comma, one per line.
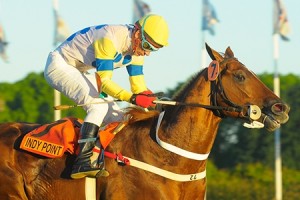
(191,128)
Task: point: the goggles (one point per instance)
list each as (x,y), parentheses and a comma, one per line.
(145,44)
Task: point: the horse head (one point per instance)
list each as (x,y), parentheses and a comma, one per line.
(237,87)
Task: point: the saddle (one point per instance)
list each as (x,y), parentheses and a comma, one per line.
(54,139)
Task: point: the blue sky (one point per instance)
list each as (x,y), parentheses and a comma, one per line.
(245,26)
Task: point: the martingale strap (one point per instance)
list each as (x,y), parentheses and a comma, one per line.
(150,168)
(177,150)
(90,188)
(123,160)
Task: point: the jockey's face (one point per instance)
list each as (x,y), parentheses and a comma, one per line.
(138,41)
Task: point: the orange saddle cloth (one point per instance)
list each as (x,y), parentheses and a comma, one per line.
(54,139)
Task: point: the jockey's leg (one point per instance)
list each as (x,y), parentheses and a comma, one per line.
(82,89)
(83,166)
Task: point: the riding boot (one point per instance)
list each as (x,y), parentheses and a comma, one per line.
(83,166)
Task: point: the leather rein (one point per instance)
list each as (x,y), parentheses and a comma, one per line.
(216,89)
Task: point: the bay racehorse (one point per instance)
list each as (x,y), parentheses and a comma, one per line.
(167,150)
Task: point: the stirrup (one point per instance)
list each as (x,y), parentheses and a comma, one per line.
(102,172)
(92,173)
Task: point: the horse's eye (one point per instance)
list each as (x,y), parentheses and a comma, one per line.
(239,77)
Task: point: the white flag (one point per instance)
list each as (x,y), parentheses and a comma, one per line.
(281,24)
(209,17)
(3,45)
(61,30)
(139,10)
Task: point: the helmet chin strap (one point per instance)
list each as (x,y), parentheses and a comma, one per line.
(133,50)
(134,40)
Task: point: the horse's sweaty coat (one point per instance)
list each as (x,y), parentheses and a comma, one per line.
(188,126)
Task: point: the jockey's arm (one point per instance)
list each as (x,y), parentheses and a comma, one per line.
(105,53)
(136,78)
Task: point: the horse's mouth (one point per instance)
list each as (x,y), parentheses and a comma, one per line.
(273,122)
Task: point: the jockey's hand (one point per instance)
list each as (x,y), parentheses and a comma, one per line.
(144,99)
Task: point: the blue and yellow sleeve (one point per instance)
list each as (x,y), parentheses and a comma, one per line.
(136,75)
(105,53)
(136,78)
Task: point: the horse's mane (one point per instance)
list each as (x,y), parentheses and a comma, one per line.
(178,94)
(136,114)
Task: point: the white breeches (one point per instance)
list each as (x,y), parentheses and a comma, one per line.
(82,89)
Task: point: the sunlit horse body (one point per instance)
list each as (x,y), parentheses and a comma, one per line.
(189,127)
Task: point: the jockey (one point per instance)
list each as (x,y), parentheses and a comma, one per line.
(104,48)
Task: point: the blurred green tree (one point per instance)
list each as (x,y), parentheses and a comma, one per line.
(31,100)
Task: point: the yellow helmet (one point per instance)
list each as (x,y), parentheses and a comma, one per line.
(156,28)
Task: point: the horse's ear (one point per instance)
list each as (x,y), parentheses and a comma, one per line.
(213,54)
(229,53)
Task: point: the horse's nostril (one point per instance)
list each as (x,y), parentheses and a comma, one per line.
(278,107)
